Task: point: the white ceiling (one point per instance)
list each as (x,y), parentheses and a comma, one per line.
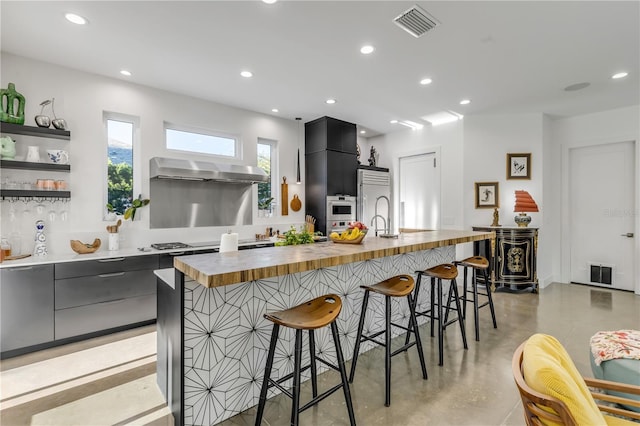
(506,56)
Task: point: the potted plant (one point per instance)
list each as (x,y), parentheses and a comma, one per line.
(130,212)
(264,207)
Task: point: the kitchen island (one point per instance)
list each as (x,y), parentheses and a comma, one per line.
(213,339)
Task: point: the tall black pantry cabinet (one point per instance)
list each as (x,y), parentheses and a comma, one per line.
(331,164)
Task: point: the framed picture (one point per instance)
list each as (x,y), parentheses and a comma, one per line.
(519,166)
(487,196)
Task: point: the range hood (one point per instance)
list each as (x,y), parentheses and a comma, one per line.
(174,168)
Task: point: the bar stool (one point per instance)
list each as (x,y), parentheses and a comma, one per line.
(478,264)
(398,286)
(445,271)
(311,315)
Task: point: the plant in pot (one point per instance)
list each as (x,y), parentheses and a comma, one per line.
(130,212)
(264,207)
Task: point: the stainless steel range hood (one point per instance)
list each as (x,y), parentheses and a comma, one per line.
(174,168)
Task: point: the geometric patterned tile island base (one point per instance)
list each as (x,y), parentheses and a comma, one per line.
(226,337)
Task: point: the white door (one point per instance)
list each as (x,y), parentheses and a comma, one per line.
(601,207)
(419,200)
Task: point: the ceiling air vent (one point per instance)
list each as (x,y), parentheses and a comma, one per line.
(416,21)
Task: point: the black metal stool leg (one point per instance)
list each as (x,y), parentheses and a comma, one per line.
(432,312)
(416,291)
(295,392)
(464,294)
(414,326)
(488,285)
(387,352)
(440,324)
(461,323)
(343,373)
(267,373)
(312,353)
(356,349)
(476,306)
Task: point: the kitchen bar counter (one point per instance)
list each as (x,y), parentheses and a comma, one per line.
(212,335)
(214,270)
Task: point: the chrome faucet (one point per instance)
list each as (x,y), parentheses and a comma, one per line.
(387,222)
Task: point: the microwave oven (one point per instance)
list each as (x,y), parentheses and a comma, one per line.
(341,212)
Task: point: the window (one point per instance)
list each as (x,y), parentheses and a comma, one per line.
(267,162)
(121,133)
(201,141)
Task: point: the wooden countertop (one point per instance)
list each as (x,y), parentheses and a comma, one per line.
(220,269)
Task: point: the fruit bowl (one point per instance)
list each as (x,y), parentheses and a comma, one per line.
(357,240)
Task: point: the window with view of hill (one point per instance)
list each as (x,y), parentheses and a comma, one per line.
(266,161)
(120,132)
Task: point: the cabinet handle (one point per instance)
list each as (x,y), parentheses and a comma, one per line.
(115,259)
(115,274)
(23,268)
(111,301)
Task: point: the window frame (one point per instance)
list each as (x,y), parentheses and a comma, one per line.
(205,132)
(136,154)
(275,189)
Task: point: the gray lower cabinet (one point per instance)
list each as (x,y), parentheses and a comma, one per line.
(26,306)
(99,295)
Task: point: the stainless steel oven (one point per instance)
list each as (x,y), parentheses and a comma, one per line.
(341,211)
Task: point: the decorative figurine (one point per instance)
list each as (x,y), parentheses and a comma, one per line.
(496,217)
(40,248)
(358,153)
(41,119)
(8,148)
(8,98)
(373,157)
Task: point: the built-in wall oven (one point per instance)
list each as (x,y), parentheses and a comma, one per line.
(341,211)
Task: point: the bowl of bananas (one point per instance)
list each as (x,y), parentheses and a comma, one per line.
(353,235)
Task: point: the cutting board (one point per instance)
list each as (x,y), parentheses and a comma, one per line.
(296,204)
(285,197)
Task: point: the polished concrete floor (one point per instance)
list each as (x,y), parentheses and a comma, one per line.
(111,380)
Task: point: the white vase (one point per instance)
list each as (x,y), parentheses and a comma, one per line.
(114,241)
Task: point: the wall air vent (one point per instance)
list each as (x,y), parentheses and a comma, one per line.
(416,21)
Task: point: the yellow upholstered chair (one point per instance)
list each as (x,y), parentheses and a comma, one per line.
(554,393)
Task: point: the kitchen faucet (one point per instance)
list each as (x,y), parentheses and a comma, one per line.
(386,223)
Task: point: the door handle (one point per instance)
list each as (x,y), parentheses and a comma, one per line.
(628,235)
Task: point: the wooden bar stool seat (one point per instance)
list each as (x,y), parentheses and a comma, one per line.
(445,271)
(316,313)
(398,286)
(477,264)
(311,315)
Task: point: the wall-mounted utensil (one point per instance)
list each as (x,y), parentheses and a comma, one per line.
(296,204)
(285,196)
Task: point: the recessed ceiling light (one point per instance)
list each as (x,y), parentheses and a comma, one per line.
(362,132)
(426,81)
(274,110)
(76,19)
(465,102)
(246,74)
(393,121)
(365,50)
(269,1)
(620,75)
(125,72)
(330,101)
(577,86)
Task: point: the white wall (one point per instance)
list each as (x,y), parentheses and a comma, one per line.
(605,127)
(446,141)
(81,98)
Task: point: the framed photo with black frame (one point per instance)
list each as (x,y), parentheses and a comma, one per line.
(519,166)
(487,195)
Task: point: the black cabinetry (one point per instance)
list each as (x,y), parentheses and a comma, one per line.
(513,263)
(330,164)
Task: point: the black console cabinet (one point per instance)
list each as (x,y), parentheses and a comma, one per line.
(514,264)
(331,164)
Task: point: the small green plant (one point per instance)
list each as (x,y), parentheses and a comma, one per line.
(265,203)
(293,237)
(130,212)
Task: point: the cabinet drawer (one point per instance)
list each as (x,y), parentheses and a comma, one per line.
(102,316)
(105,266)
(103,288)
